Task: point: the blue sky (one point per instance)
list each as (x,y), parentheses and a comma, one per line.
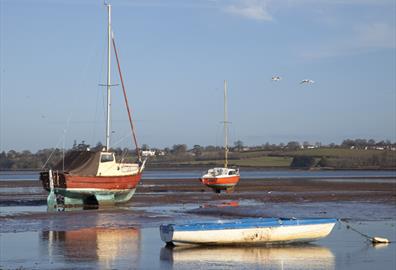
(175,55)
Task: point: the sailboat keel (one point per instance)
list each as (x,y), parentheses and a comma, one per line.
(94,196)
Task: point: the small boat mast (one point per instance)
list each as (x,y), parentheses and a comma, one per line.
(225,127)
(110,42)
(108,76)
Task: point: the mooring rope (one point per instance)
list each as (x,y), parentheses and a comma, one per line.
(374,240)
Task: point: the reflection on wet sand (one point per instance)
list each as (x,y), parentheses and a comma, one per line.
(282,257)
(220,204)
(101,245)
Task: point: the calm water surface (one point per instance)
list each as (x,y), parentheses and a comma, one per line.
(134,248)
(268,174)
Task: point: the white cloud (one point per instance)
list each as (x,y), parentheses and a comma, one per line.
(251,9)
(327,3)
(376,35)
(363,38)
(262,10)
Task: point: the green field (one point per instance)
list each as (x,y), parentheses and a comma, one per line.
(340,153)
(264,162)
(336,158)
(247,162)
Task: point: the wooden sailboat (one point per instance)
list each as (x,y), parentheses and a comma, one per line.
(96,176)
(222,178)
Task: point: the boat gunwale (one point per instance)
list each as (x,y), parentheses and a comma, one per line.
(246,224)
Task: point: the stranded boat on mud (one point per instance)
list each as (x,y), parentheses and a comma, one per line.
(249,231)
(92,177)
(87,176)
(222,178)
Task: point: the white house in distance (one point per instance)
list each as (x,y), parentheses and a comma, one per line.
(148,153)
(309,146)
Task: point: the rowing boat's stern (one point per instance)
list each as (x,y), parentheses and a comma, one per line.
(166,232)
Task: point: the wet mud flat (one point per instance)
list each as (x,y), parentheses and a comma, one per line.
(23,203)
(170,200)
(126,236)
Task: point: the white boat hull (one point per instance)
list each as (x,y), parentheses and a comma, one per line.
(249,236)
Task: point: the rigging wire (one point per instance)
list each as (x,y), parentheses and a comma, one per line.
(121,140)
(99,97)
(123,155)
(126,100)
(61,139)
(100,104)
(48,159)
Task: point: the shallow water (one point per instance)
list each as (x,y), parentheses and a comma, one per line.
(25,190)
(247,174)
(123,239)
(240,207)
(272,174)
(19,175)
(18,210)
(340,210)
(134,248)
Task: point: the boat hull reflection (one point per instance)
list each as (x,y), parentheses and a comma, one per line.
(283,257)
(101,245)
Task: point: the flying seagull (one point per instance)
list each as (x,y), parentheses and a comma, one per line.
(307,81)
(276,78)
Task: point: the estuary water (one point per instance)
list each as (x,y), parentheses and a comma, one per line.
(247,174)
(141,248)
(127,237)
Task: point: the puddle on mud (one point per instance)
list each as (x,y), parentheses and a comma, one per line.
(350,210)
(163,210)
(26,210)
(180,209)
(241,208)
(125,248)
(20,210)
(24,190)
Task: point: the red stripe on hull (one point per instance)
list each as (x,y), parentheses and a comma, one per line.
(222,181)
(103,182)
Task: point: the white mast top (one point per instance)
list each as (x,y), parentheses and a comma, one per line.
(108,77)
(225,126)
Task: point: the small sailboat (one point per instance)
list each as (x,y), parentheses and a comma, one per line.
(248,231)
(96,176)
(222,178)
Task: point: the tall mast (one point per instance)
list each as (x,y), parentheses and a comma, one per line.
(225,126)
(108,77)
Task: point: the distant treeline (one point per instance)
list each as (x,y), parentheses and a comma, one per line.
(350,154)
(47,158)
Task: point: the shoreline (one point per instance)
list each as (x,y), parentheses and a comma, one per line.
(36,182)
(203,168)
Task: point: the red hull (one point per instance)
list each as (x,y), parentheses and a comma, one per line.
(225,182)
(103,182)
(67,181)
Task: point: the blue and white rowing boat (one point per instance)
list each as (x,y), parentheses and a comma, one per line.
(248,231)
